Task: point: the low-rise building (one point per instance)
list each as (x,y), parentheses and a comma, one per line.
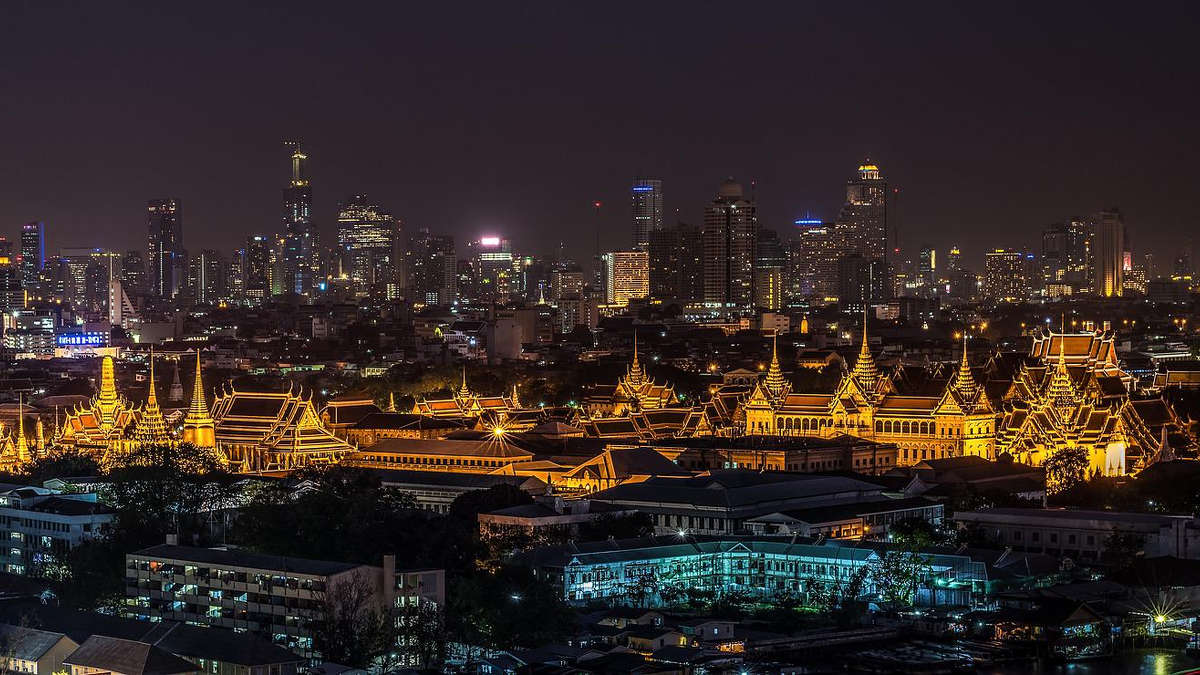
(39,525)
(278,597)
(1085,534)
(35,652)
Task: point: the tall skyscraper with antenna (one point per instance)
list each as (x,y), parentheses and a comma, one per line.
(647,199)
(301,242)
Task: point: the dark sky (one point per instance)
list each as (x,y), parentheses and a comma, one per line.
(512,117)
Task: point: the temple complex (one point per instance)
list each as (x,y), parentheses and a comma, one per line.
(100,426)
(272,431)
(464,403)
(958,420)
(633,393)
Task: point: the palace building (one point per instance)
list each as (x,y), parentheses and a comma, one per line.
(959,420)
(272,431)
(633,393)
(466,403)
(1071,392)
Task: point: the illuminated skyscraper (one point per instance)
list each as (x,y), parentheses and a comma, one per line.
(814,254)
(256,269)
(1005,276)
(1109,253)
(300,238)
(206,276)
(729,242)
(369,242)
(33,252)
(647,197)
(863,217)
(1066,258)
(434,267)
(626,276)
(164,222)
(133,273)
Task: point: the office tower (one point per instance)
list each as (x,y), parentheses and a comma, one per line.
(12,294)
(1109,254)
(33,252)
(626,276)
(369,242)
(862,282)
(566,281)
(256,269)
(486,278)
(1181,267)
(770,270)
(816,247)
(925,275)
(953,260)
(301,244)
(133,273)
(86,281)
(206,276)
(647,198)
(235,279)
(533,277)
(1005,275)
(676,264)
(164,220)
(729,244)
(863,218)
(1066,258)
(433,268)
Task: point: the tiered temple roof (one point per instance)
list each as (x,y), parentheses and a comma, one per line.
(267,431)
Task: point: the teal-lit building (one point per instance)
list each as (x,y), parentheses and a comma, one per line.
(650,571)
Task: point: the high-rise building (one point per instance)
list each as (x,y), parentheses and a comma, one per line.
(1066,258)
(863,218)
(1006,275)
(770,270)
(647,198)
(862,282)
(626,276)
(433,268)
(133,273)
(566,281)
(12,295)
(206,276)
(487,276)
(1109,254)
(256,269)
(953,260)
(301,243)
(816,247)
(33,252)
(369,241)
(676,264)
(729,244)
(164,222)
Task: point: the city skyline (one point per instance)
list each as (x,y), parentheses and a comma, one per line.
(454,173)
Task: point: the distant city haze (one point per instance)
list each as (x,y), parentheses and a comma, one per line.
(993,125)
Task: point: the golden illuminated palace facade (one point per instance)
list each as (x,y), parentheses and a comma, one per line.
(1068,392)
(633,393)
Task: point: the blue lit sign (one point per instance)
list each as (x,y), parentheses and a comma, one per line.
(810,221)
(643,188)
(93,339)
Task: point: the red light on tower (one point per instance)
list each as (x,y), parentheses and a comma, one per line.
(596,205)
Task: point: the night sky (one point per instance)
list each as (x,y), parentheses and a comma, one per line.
(513,117)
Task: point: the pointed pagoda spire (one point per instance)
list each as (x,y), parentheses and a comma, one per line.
(865,372)
(198,426)
(515,402)
(964,380)
(463,392)
(22,446)
(108,381)
(775,381)
(40,439)
(636,375)
(175,393)
(151,427)
(391,406)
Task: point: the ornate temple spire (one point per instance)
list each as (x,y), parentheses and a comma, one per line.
(198,426)
(964,380)
(40,438)
(391,406)
(175,393)
(865,372)
(151,427)
(1061,391)
(22,446)
(636,375)
(515,402)
(463,392)
(108,381)
(775,382)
